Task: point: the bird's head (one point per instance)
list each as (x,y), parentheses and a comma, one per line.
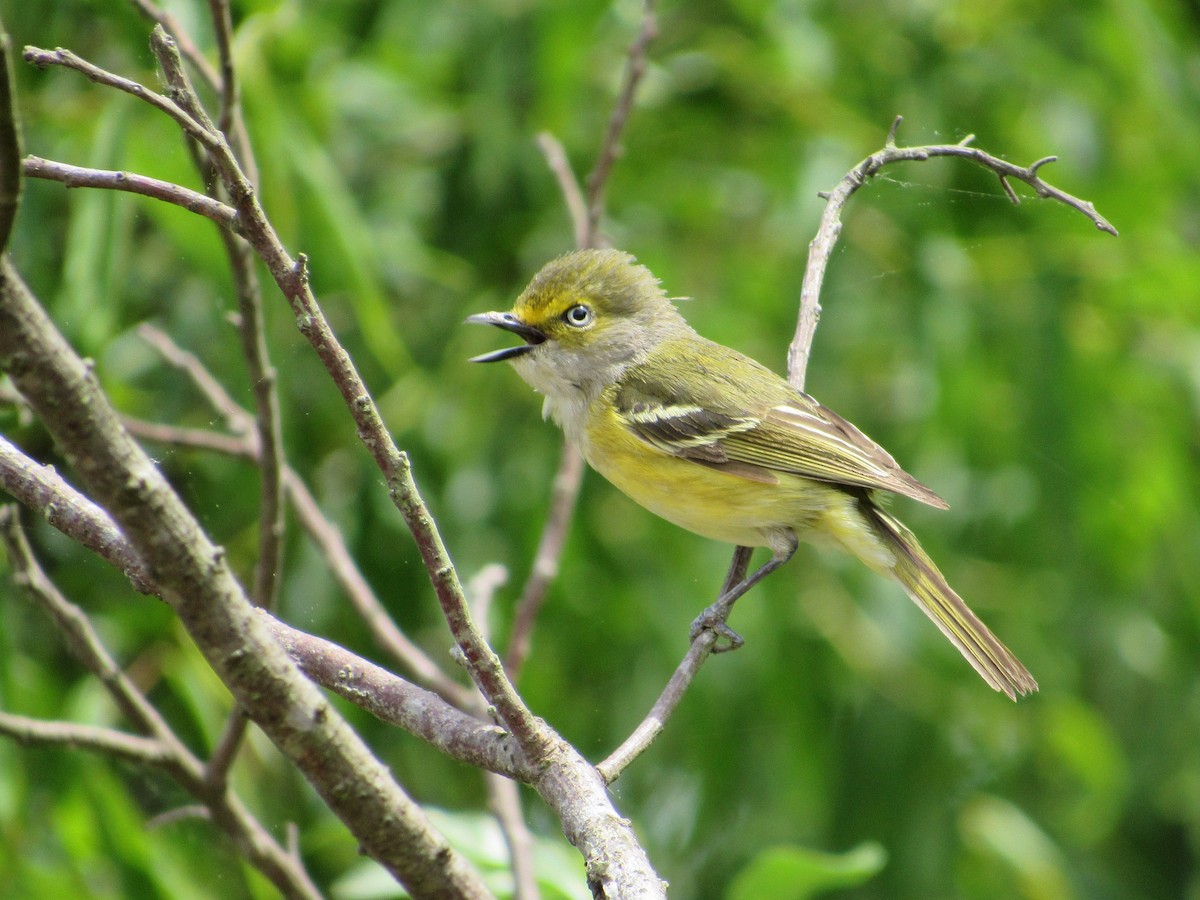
(583,318)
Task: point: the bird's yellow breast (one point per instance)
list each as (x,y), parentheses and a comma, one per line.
(711,502)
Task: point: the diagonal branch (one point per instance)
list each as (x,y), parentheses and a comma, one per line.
(196,580)
(162,748)
(323,533)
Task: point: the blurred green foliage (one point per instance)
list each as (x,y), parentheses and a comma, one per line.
(1043,377)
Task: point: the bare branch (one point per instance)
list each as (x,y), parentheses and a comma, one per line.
(610,149)
(821,248)
(392,699)
(60,57)
(162,748)
(78,176)
(107,741)
(195,438)
(223,32)
(196,580)
(504,798)
(43,490)
(236,418)
(565,493)
(560,167)
(651,726)
(225,751)
(198,60)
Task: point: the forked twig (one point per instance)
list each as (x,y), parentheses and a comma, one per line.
(821,248)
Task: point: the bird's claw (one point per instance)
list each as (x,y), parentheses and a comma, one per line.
(712,620)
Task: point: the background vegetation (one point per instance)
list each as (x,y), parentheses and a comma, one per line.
(1043,377)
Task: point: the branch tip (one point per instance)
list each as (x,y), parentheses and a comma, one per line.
(890,141)
(1008,190)
(1033,168)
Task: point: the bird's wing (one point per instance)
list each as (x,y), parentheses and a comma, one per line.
(721,409)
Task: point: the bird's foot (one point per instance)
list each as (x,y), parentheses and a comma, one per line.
(713,619)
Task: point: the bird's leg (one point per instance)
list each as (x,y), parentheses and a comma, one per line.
(736,584)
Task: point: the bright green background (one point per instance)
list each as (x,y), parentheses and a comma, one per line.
(1043,377)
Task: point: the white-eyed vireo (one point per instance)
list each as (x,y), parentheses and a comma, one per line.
(718,444)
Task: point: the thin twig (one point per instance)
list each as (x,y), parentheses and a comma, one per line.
(194,438)
(236,418)
(560,167)
(225,750)
(610,149)
(481,592)
(107,741)
(652,725)
(504,798)
(223,32)
(198,60)
(565,493)
(60,57)
(230,119)
(79,177)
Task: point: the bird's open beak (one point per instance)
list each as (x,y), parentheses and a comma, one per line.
(509,322)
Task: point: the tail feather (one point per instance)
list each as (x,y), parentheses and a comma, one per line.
(929,590)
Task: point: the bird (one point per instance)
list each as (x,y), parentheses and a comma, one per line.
(718,444)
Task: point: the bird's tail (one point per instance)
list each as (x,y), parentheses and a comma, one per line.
(929,590)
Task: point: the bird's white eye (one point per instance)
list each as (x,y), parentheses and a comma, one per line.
(579,315)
